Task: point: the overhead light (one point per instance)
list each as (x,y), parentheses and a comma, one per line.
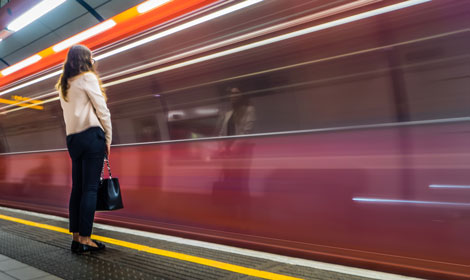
(180,27)
(84,35)
(151,4)
(33,14)
(22,64)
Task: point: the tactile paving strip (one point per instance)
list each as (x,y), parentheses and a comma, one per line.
(53,256)
(50,251)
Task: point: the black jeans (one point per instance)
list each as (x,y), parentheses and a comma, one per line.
(87,150)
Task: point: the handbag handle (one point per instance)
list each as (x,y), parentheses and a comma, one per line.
(109,168)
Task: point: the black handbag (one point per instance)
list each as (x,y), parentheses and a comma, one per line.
(109,192)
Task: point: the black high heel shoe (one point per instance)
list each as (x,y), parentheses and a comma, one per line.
(74,246)
(83,248)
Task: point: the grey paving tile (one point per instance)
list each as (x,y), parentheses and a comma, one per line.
(26,273)
(4,258)
(49,277)
(10,265)
(3,276)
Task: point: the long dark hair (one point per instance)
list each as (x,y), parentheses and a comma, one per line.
(78,61)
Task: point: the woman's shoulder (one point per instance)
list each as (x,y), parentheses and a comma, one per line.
(89,76)
(81,76)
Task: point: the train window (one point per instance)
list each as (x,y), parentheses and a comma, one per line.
(33,130)
(437,78)
(298,89)
(137,119)
(429,62)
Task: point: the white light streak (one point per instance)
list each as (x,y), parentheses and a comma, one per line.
(418,202)
(33,14)
(22,64)
(180,28)
(267,41)
(77,39)
(449,186)
(84,35)
(31,82)
(151,4)
(238,49)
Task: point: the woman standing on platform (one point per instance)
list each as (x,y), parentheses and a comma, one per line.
(88,127)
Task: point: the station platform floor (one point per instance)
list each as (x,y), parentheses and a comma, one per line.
(41,244)
(11,269)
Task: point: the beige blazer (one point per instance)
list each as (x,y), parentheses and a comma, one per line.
(86,106)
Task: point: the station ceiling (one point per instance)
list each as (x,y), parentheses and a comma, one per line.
(66,20)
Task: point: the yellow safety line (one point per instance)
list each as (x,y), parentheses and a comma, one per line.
(170,254)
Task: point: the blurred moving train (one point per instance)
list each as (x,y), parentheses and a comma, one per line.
(331,130)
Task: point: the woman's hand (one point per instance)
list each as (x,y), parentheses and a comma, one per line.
(108,150)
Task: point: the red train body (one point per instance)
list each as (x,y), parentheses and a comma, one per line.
(359,153)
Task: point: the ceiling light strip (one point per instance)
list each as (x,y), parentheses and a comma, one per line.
(150,5)
(33,14)
(97,29)
(31,60)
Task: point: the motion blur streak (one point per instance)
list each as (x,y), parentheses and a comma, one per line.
(166,60)
(449,187)
(393,201)
(180,27)
(276,39)
(244,37)
(170,31)
(32,82)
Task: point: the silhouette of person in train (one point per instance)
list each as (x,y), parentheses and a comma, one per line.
(240,118)
(231,191)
